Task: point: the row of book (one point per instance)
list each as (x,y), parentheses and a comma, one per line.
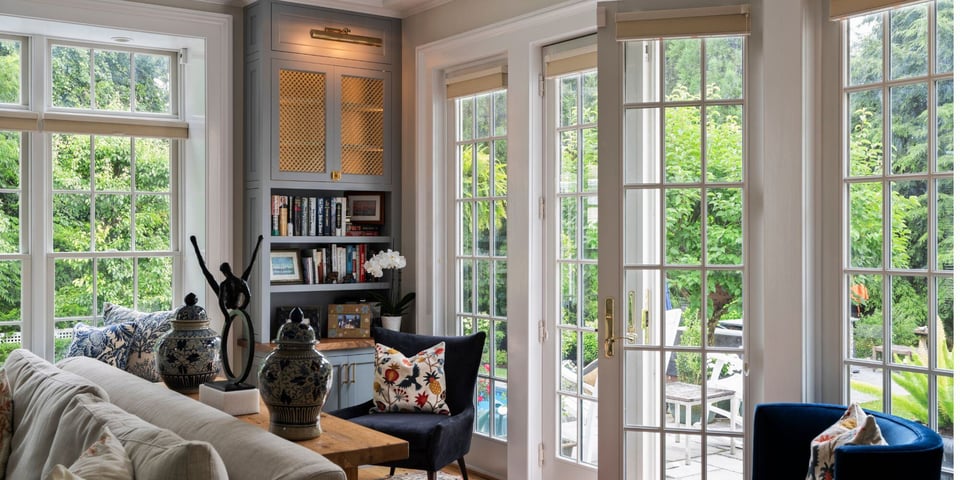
(335,264)
(314,216)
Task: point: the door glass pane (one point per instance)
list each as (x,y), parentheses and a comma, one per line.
(681,69)
(944,224)
(908,205)
(641,218)
(642,388)
(725,143)
(683,226)
(945,144)
(866,316)
(643,315)
(641,145)
(944,10)
(682,142)
(724,226)
(724,309)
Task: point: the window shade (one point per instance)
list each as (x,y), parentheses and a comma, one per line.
(92,124)
(571,56)
(474,81)
(727,20)
(843,9)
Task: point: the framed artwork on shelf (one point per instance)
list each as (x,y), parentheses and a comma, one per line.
(365,207)
(312,313)
(285,266)
(350,320)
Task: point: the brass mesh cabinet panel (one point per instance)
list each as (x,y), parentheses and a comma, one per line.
(361,127)
(303,121)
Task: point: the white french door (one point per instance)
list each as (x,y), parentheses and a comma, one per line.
(671,261)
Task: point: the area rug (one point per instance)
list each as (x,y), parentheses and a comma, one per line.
(422,476)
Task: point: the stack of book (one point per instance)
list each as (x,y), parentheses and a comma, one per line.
(294,216)
(335,264)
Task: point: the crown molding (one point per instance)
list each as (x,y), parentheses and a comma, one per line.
(386,8)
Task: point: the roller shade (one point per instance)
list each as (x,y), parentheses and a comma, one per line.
(843,9)
(571,56)
(686,22)
(474,81)
(92,124)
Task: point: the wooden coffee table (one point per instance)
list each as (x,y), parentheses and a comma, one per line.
(343,442)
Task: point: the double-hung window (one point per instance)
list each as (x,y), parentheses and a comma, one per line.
(97,129)
(898,187)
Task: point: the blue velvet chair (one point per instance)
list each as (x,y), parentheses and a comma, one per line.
(781,445)
(435,440)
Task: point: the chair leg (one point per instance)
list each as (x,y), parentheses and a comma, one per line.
(431,475)
(393,470)
(463,468)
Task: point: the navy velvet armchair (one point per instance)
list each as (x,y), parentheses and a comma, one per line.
(435,440)
(781,445)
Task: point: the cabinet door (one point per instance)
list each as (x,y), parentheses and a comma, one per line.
(364,132)
(359,389)
(340,367)
(301,120)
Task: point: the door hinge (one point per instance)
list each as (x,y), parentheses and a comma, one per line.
(542,85)
(542,330)
(541,208)
(541,456)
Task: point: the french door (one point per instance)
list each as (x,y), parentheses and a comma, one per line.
(671,263)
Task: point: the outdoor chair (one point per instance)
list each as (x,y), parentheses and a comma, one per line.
(435,440)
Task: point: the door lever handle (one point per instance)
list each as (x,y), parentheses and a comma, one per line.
(611,339)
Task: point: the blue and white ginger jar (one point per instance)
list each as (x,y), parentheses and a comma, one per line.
(189,354)
(295,380)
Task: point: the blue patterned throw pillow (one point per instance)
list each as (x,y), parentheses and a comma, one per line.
(108,344)
(150,327)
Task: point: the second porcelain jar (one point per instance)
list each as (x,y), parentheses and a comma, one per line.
(295,380)
(189,354)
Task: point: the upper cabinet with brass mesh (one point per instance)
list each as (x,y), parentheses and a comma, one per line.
(321,85)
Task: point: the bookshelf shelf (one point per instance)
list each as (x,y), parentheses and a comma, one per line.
(328,287)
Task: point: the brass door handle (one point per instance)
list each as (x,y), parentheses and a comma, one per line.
(611,339)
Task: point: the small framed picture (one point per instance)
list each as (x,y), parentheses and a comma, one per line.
(365,207)
(285,266)
(349,320)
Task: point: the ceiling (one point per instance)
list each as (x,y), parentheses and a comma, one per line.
(389,8)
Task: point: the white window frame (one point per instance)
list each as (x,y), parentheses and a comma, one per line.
(205,42)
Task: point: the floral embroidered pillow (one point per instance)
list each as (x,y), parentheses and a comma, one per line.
(414,384)
(855,427)
(150,327)
(110,344)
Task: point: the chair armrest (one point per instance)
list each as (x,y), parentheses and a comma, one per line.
(451,438)
(354,411)
(919,461)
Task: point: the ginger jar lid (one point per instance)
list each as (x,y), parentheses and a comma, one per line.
(191,311)
(296,330)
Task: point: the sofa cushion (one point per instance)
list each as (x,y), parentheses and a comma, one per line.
(156,453)
(855,427)
(41,393)
(6,420)
(150,327)
(106,459)
(249,452)
(108,344)
(414,384)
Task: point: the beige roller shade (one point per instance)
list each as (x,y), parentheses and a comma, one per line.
(103,125)
(843,9)
(474,81)
(571,56)
(686,22)
(19,120)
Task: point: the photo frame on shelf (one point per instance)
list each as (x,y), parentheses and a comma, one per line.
(285,266)
(310,312)
(350,320)
(366,207)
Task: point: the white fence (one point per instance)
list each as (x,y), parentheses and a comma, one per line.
(18,338)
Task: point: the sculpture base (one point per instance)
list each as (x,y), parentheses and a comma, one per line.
(234,401)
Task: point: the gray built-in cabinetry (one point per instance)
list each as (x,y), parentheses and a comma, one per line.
(321,120)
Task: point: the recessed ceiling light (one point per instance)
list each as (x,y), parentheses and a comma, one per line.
(121,39)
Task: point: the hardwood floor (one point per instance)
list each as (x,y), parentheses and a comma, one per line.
(380,473)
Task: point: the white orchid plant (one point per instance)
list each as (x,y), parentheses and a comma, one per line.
(391,304)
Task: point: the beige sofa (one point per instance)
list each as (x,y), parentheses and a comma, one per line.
(58,412)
